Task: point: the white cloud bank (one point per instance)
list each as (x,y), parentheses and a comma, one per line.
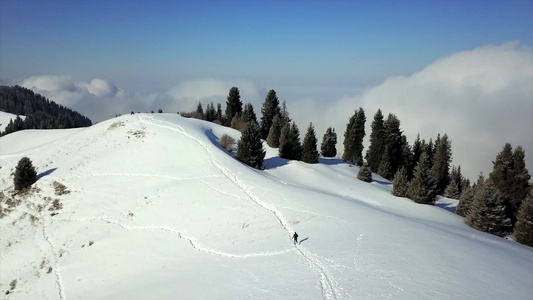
(481,98)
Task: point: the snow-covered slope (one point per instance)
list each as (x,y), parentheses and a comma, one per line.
(5,118)
(157,210)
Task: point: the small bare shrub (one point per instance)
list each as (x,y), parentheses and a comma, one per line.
(60,189)
(91,243)
(137,133)
(33,219)
(116,125)
(7,204)
(56,205)
(227,142)
(194,114)
(49,270)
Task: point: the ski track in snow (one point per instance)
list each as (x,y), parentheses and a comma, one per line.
(373,274)
(328,286)
(59,279)
(180,235)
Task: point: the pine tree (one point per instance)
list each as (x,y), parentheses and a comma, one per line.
(407,156)
(392,157)
(284,141)
(511,178)
(416,151)
(199,108)
(248,115)
(488,211)
(219,112)
(459,180)
(290,146)
(452,191)
(233,105)
(365,174)
(523,231)
(376,148)
(250,147)
(441,165)
(309,147)
(521,186)
(295,137)
(353,138)
(284,114)
(400,187)
(329,141)
(465,202)
(430,150)
(25,174)
(268,111)
(422,187)
(349,140)
(210,113)
(275,133)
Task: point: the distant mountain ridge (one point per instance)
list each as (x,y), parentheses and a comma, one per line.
(40,112)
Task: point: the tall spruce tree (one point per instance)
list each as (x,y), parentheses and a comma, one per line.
(376,147)
(199,109)
(268,111)
(407,156)
(210,113)
(295,137)
(233,105)
(523,230)
(422,187)
(329,142)
(521,183)
(275,133)
(290,146)
(459,179)
(219,113)
(430,150)
(250,147)
(441,164)
(511,178)
(353,138)
(349,151)
(285,116)
(416,151)
(400,185)
(248,114)
(25,174)
(488,210)
(309,147)
(392,158)
(284,140)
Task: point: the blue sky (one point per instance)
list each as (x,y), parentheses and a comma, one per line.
(156,44)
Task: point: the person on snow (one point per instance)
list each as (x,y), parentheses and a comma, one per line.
(295,237)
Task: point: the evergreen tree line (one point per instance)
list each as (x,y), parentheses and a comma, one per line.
(419,172)
(40,112)
(500,205)
(275,126)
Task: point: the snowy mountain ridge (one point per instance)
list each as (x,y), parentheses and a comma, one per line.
(149,206)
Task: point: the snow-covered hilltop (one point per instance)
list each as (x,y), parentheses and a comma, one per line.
(149,206)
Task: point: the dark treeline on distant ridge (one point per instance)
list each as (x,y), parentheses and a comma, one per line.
(40,112)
